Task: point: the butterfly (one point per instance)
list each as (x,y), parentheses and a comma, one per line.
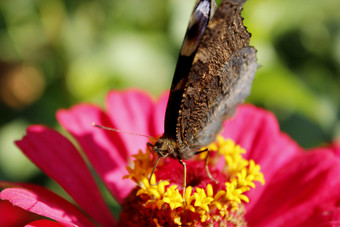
(214,73)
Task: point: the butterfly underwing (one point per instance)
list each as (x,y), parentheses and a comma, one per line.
(213,76)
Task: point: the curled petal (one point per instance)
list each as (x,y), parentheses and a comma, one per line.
(10,214)
(60,160)
(44,223)
(43,202)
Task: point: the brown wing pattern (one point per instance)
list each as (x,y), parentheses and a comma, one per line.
(197,25)
(219,79)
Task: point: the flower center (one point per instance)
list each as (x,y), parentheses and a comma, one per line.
(158,203)
(196,175)
(195,181)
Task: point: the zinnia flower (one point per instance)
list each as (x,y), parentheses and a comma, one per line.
(301,188)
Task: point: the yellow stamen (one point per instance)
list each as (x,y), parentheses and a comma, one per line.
(173,197)
(202,200)
(188,199)
(204,204)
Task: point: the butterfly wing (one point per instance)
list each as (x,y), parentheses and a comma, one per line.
(220,78)
(197,25)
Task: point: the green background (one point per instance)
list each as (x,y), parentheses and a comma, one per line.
(56,53)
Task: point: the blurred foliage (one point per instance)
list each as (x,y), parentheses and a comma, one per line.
(56,53)
(298,45)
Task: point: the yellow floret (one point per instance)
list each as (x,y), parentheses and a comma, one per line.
(173,197)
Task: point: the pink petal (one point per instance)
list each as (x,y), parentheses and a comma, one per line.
(336,148)
(307,184)
(103,148)
(60,160)
(131,111)
(158,115)
(44,223)
(14,216)
(258,132)
(41,201)
(329,218)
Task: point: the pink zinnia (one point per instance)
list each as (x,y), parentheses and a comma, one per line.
(302,188)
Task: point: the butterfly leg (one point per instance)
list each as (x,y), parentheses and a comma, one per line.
(184,177)
(207,167)
(206,164)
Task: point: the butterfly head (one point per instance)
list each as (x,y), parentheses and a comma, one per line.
(165,147)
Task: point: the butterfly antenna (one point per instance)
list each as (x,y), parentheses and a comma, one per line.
(117,130)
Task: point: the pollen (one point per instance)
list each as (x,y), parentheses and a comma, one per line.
(160,200)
